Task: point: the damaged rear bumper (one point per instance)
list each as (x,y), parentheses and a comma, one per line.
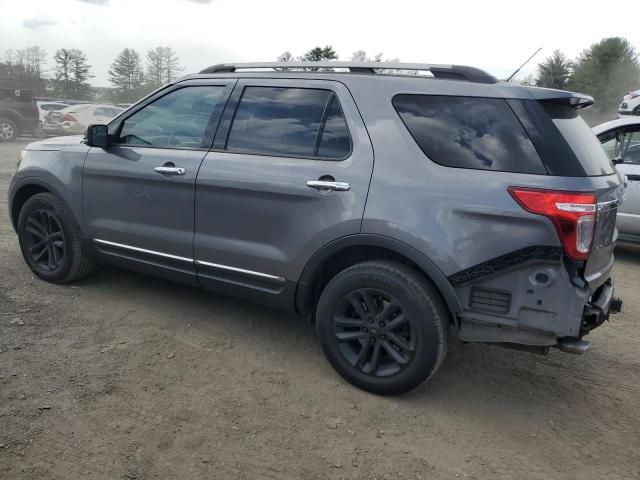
(601,304)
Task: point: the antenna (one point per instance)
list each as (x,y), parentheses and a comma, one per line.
(527,61)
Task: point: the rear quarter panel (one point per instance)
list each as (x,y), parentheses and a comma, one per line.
(457,217)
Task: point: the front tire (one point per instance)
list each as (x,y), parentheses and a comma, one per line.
(382,326)
(50,241)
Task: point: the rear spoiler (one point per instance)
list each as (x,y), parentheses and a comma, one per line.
(573,99)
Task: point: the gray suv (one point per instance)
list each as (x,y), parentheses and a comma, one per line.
(394,204)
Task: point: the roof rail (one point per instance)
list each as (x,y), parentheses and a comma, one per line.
(450,72)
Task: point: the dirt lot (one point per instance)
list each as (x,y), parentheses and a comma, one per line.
(124,376)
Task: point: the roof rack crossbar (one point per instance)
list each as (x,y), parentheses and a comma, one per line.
(451,72)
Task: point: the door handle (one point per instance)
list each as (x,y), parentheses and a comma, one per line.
(165,170)
(326,186)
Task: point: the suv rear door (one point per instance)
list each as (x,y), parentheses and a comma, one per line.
(259,214)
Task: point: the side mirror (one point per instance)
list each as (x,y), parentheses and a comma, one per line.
(98,136)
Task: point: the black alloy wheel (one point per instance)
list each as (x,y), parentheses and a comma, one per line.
(374,333)
(44,240)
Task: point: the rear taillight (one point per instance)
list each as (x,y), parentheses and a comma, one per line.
(572,213)
(68,118)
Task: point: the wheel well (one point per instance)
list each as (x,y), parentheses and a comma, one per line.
(20,197)
(345,258)
(11,116)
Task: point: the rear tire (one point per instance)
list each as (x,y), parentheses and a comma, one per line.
(8,130)
(382,326)
(50,242)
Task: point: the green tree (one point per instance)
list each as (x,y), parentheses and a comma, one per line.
(554,72)
(72,73)
(606,71)
(127,76)
(285,56)
(163,66)
(318,53)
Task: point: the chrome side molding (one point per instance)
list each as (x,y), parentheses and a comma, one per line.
(190,260)
(240,270)
(142,250)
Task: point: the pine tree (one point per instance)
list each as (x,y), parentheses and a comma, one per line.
(72,74)
(554,72)
(127,76)
(318,53)
(163,66)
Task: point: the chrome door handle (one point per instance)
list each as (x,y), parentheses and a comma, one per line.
(328,186)
(170,170)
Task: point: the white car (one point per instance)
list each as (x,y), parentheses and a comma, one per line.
(76,118)
(621,140)
(630,104)
(46,107)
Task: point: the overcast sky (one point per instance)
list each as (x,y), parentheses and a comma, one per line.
(494,35)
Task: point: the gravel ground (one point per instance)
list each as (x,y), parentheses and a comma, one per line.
(127,377)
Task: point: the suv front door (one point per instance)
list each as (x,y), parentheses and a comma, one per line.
(260,213)
(138,194)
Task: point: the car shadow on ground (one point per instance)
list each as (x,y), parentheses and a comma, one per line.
(474,378)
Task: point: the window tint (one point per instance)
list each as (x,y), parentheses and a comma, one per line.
(178,120)
(289,122)
(334,141)
(580,138)
(467,132)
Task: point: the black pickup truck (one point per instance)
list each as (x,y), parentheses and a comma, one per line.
(18,113)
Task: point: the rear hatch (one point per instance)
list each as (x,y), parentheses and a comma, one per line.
(569,149)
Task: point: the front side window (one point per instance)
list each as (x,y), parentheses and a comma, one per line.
(176,120)
(469,132)
(293,122)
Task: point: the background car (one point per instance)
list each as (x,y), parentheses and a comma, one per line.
(630,104)
(18,113)
(45,107)
(621,140)
(76,118)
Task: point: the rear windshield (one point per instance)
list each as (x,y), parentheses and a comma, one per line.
(469,132)
(581,139)
(76,109)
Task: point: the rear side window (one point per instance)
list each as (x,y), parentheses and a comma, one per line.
(294,122)
(469,132)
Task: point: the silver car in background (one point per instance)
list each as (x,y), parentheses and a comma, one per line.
(620,138)
(75,119)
